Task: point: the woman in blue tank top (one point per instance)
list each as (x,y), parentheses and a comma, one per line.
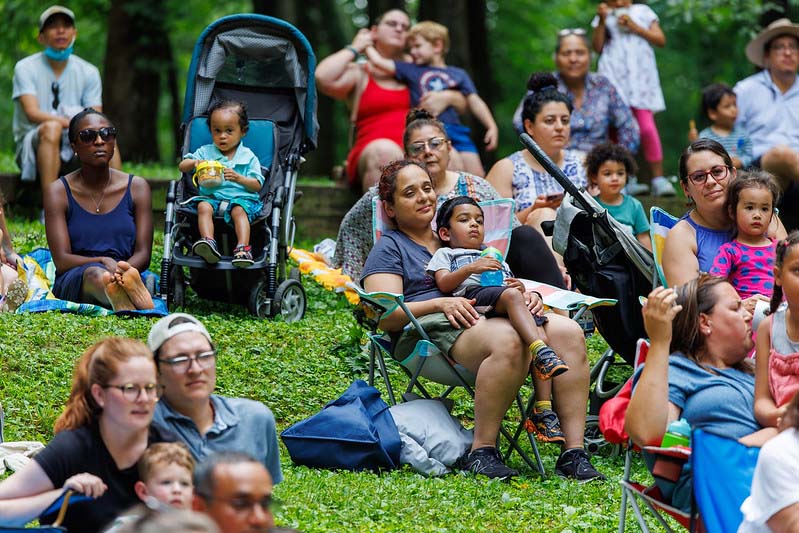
(99,223)
(705,170)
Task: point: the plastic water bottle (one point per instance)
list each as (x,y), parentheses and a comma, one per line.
(492,278)
(678,433)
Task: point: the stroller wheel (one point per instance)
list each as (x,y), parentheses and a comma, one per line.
(177,287)
(594,442)
(289,300)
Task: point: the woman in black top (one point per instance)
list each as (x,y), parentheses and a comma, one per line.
(100,437)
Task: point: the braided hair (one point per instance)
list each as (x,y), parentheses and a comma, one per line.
(782,250)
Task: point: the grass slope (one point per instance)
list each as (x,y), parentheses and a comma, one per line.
(296,369)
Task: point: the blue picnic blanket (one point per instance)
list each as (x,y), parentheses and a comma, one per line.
(38,271)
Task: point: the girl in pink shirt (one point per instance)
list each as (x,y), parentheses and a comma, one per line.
(747,261)
(777,363)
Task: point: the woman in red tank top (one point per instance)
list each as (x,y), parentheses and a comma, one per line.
(380,100)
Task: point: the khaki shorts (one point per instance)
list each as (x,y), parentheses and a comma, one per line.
(437,327)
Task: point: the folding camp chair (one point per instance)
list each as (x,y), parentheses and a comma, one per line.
(427,361)
(60,506)
(722,472)
(660,224)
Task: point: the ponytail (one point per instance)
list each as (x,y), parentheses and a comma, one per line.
(98,365)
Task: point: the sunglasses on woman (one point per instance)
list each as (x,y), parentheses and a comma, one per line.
(718,172)
(88,136)
(571,31)
(434,144)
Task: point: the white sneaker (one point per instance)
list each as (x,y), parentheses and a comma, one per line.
(634,188)
(662,187)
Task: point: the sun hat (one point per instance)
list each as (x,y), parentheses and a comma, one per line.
(54,10)
(755,50)
(172,325)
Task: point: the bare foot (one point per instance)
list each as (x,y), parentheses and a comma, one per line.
(116,294)
(130,280)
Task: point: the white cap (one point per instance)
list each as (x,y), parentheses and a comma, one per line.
(54,10)
(172,325)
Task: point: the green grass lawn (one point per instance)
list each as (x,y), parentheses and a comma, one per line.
(296,369)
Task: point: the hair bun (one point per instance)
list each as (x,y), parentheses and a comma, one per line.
(542,80)
(418,113)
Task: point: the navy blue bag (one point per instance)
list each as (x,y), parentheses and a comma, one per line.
(354,432)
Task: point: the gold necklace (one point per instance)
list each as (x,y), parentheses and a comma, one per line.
(102,197)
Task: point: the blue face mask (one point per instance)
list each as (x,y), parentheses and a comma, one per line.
(59,55)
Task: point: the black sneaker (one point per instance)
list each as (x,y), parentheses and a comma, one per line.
(547,365)
(487,462)
(575,464)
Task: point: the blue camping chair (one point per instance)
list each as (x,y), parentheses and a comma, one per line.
(723,471)
(60,506)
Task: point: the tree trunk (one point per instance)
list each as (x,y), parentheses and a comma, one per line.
(137,52)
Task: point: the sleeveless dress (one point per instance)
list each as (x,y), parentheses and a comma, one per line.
(528,184)
(783,361)
(708,242)
(111,234)
(381,115)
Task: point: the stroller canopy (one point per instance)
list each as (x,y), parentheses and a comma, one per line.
(253,52)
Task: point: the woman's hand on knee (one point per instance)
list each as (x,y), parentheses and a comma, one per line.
(459,311)
(88,484)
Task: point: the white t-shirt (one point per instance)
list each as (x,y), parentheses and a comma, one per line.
(79,86)
(775,485)
(628,60)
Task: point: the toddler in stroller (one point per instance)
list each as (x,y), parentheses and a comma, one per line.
(236,194)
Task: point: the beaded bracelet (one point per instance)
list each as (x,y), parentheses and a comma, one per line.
(353,50)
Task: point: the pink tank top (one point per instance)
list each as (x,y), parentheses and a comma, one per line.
(381,115)
(783,362)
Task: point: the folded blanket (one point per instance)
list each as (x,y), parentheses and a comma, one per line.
(38,271)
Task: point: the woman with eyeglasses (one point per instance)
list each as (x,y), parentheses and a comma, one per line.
(599,110)
(99,223)
(99,437)
(377,101)
(426,139)
(691,245)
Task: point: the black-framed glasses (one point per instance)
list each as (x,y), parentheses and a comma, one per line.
(132,391)
(88,136)
(565,32)
(55,89)
(182,362)
(434,144)
(719,173)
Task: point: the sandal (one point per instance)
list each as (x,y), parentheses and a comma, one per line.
(242,256)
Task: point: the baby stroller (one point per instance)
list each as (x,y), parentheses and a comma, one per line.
(604,261)
(269,65)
